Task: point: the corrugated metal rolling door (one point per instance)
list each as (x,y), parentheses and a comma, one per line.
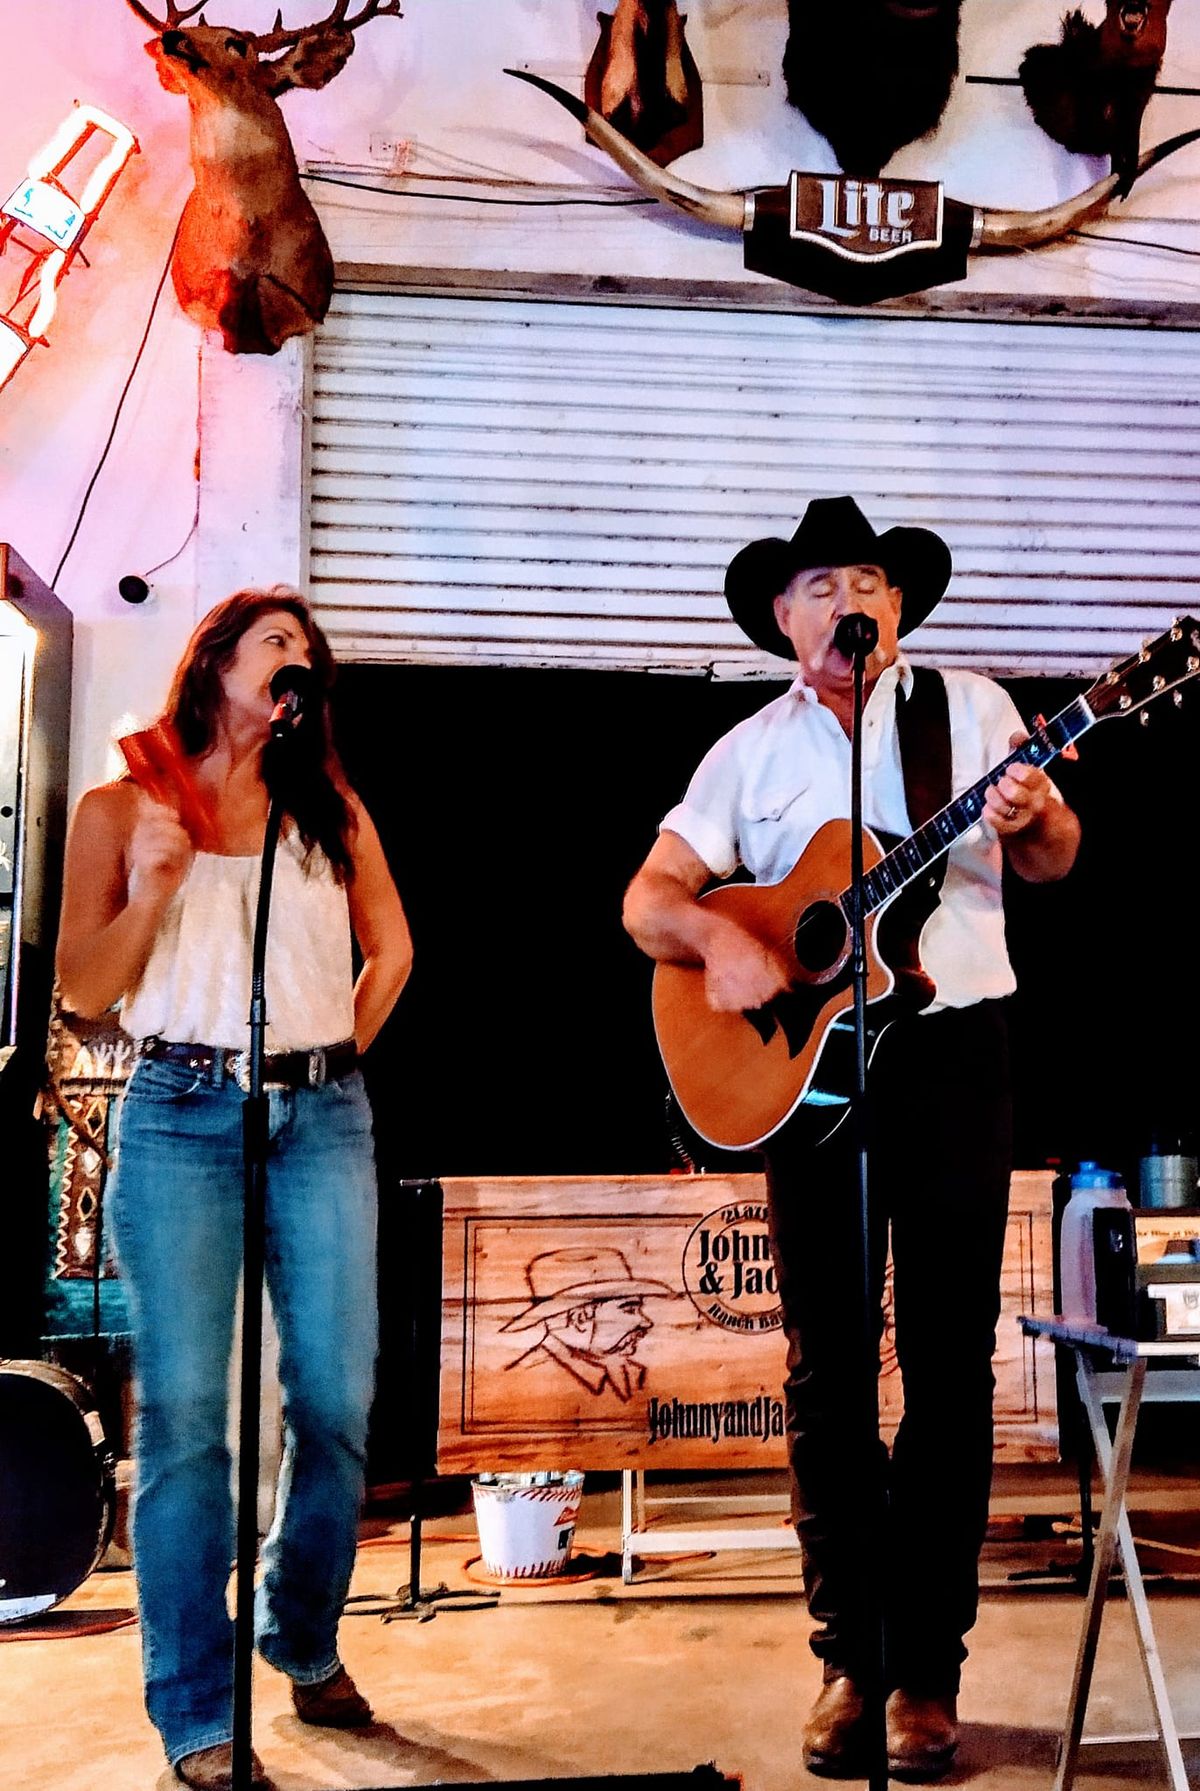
(538,483)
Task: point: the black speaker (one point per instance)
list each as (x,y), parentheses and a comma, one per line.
(1115,1247)
(24,1196)
(402,1439)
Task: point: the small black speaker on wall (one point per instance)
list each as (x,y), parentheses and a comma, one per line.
(402,1441)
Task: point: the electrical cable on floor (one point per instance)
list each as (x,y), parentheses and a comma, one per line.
(87,496)
(478,1574)
(1146,1542)
(373,1604)
(401,1541)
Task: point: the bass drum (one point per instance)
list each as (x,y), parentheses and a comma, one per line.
(57,1488)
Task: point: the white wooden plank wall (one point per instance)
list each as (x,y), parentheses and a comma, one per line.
(534,483)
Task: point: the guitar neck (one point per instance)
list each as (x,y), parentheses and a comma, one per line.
(928,843)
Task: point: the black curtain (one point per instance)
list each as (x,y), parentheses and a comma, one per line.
(515,805)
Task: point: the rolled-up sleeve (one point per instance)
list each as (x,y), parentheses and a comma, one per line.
(707,818)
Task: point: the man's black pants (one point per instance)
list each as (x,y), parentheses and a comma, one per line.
(940,1161)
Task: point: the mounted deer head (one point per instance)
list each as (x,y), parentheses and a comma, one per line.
(251,259)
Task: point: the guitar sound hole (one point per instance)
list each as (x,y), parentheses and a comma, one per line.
(820,939)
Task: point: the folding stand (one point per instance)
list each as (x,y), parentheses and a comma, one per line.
(1091,1344)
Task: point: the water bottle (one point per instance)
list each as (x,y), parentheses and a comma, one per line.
(1097,1251)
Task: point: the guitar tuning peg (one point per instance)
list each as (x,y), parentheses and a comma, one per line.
(1144,655)
(1177,698)
(1144,718)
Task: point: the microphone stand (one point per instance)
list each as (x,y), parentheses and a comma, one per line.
(255,1141)
(856,636)
(292,685)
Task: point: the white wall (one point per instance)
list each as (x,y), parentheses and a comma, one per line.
(433,78)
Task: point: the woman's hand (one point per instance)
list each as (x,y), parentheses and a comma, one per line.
(126,856)
(159,852)
(379,927)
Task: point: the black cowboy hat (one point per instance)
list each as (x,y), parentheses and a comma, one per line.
(833,532)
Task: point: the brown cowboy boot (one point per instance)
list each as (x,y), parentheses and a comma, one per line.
(835,1733)
(211,1769)
(334,1703)
(922,1734)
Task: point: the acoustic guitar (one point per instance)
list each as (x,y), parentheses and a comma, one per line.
(738,1077)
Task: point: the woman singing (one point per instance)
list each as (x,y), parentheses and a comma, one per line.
(166,928)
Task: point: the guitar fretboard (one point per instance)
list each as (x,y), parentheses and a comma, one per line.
(922,848)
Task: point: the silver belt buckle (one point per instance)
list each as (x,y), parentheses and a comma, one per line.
(316,1067)
(237,1065)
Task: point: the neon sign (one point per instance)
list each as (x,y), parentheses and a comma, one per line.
(46,223)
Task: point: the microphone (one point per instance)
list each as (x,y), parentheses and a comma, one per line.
(855,636)
(292,688)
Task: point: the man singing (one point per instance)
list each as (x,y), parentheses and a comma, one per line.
(940,1114)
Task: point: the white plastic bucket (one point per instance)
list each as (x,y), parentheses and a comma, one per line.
(526,1522)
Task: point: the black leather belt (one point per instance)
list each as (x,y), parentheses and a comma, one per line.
(281,1069)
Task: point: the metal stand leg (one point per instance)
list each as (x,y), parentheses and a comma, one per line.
(633,1517)
(639,1540)
(1114,1459)
(1087,1553)
(1135,1590)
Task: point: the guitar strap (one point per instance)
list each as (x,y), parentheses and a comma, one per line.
(923,730)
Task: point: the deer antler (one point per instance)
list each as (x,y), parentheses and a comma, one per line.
(279,39)
(175,15)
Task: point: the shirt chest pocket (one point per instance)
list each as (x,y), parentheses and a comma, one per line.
(776,826)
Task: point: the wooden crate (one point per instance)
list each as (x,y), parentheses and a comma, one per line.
(614,1322)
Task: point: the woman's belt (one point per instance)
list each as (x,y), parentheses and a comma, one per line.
(281,1069)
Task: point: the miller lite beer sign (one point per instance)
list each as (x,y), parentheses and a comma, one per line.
(857,240)
(866,220)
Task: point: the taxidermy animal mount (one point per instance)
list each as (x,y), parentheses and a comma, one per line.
(642,78)
(871,75)
(251,258)
(1089,91)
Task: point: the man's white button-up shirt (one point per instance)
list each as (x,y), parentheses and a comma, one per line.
(760,794)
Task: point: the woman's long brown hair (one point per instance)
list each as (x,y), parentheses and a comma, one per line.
(307,774)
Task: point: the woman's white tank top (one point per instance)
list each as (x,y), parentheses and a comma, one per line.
(196,984)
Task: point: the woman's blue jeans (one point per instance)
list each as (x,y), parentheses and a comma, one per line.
(176,1208)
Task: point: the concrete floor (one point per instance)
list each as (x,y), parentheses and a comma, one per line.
(701,1660)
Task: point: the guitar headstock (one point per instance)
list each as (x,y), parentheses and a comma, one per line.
(1161,666)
